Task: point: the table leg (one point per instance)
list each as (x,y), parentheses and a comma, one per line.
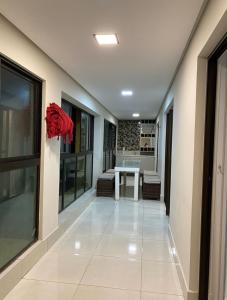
(136,186)
(117,186)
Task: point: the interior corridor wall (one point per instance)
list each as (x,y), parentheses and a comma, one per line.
(188,93)
(17,47)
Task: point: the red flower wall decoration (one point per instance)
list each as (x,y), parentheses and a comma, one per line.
(59,123)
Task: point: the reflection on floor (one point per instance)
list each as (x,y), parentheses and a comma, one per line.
(127,190)
(114,251)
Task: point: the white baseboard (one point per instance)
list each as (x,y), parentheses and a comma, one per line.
(187,294)
(23,264)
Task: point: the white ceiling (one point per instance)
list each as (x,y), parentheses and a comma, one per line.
(152,36)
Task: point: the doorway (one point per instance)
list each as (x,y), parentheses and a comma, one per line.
(214,209)
(168,159)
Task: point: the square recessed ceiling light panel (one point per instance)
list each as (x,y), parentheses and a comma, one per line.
(106,39)
(127,93)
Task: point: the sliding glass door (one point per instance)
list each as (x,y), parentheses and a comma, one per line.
(76,165)
(109,146)
(80,178)
(20,119)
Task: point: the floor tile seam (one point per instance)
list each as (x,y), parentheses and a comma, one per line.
(104,224)
(158,293)
(89,262)
(154,219)
(52,281)
(158,240)
(86,254)
(105,230)
(81,236)
(119,240)
(80,216)
(119,258)
(153,242)
(141,271)
(75,292)
(49,281)
(109,287)
(124,235)
(125,220)
(160,262)
(157,215)
(156,227)
(121,236)
(85,269)
(139,258)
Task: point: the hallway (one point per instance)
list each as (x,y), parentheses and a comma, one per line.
(115,250)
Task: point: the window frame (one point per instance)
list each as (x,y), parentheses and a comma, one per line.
(76,111)
(25,161)
(108,145)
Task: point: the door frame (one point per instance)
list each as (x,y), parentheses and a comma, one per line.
(208,162)
(168,110)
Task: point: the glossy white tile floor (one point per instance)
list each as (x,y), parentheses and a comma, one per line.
(114,251)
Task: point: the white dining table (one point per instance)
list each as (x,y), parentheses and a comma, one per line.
(127,166)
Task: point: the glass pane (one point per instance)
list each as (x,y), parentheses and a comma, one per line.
(16,115)
(60,208)
(111,159)
(77,129)
(17,212)
(89,171)
(65,147)
(70,181)
(114,159)
(105,144)
(113,137)
(80,175)
(104,161)
(107,160)
(85,132)
(88,133)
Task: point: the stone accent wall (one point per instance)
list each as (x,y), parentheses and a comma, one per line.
(128,135)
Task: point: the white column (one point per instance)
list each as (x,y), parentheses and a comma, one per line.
(136,186)
(117,185)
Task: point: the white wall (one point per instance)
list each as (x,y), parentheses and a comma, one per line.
(189,94)
(21,50)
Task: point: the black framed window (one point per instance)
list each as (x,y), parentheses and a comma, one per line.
(65,147)
(76,162)
(109,146)
(20,126)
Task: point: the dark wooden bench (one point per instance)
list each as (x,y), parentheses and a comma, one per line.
(151,187)
(105,185)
